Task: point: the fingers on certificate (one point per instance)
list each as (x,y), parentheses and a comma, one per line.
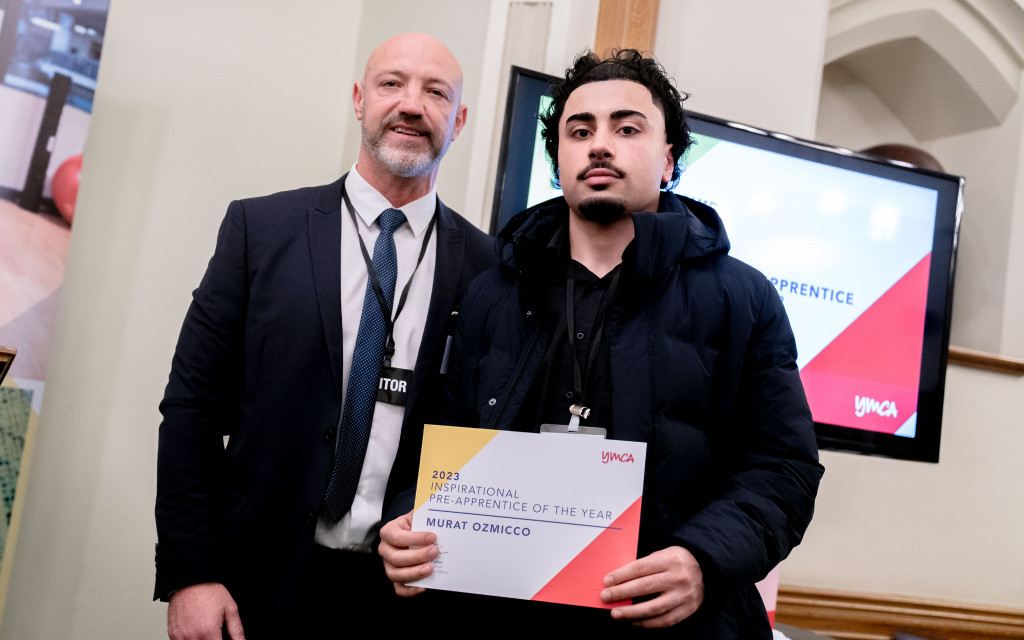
(407,554)
(673,573)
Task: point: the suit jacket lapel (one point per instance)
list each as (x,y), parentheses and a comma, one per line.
(447,271)
(324,220)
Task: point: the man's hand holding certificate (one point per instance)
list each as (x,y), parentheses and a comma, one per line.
(530,516)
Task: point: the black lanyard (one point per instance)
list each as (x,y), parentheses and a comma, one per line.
(580,385)
(385,308)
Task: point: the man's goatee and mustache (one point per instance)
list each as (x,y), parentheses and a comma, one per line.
(602,209)
(404,160)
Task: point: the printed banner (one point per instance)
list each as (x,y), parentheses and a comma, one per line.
(531,516)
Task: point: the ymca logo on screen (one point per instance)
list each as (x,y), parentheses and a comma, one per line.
(611,456)
(863,405)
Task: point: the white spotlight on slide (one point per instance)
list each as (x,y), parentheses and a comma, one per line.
(884,223)
(834,202)
(762,202)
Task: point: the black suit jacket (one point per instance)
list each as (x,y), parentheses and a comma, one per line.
(259,359)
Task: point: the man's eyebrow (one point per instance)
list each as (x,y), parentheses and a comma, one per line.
(627,113)
(584,116)
(397,73)
(621,114)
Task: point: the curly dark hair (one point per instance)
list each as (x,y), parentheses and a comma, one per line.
(624,64)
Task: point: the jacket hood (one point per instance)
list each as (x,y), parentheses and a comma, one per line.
(682,230)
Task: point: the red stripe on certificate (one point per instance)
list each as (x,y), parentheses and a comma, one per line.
(581,581)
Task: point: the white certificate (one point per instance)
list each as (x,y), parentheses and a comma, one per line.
(525,515)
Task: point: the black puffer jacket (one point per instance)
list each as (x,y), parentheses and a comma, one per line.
(703,367)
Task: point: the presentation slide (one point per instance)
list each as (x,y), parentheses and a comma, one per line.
(849,254)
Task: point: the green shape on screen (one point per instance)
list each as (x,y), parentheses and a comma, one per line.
(701,145)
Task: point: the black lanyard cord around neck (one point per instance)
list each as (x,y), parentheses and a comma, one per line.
(580,385)
(385,308)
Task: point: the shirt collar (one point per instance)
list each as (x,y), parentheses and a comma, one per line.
(369,203)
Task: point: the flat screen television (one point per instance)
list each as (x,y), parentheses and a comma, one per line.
(861,249)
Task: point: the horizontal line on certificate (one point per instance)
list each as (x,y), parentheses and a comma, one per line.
(489,515)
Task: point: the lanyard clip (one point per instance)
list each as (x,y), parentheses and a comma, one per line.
(576,412)
(579,410)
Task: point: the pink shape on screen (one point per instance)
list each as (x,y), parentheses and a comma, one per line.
(873,367)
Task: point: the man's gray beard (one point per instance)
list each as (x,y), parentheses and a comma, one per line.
(401,162)
(603,210)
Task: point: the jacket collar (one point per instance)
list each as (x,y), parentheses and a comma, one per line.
(682,230)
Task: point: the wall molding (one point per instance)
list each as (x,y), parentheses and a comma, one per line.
(987,361)
(857,616)
(904,50)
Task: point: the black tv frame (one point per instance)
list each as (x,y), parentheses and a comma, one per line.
(511,189)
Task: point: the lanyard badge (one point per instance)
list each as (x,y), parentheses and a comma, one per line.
(393,385)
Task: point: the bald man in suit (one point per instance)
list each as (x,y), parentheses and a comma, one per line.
(252,534)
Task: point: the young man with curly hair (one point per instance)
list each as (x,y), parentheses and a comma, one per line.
(621,297)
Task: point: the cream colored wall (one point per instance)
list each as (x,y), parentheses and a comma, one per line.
(753,62)
(202,102)
(1013,328)
(950,531)
(198,103)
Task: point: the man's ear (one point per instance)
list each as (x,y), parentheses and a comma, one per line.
(670,166)
(461,115)
(357,99)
